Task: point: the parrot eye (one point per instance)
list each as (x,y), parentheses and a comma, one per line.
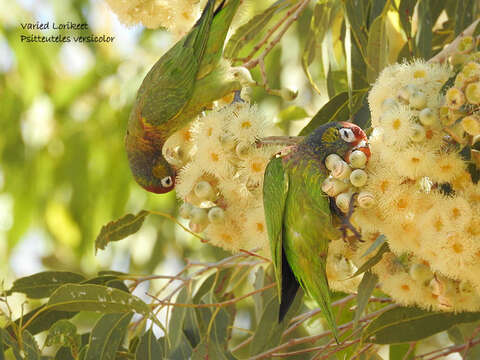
(166,181)
(347,135)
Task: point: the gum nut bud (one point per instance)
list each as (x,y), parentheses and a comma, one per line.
(366,200)
(389,103)
(197,228)
(358,178)
(418,99)
(343,201)
(199,216)
(243,75)
(332,187)
(472,92)
(421,272)
(471,125)
(458,59)
(227,141)
(455,98)
(185,210)
(242,150)
(436,286)
(418,133)
(330,161)
(203,190)
(427,117)
(341,170)
(358,159)
(470,71)
(216,215)
(405,92)
(288,94)
(466,44)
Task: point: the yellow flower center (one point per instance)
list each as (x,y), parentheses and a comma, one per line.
(214,157)
(396,124)
(246,125)
(419,74)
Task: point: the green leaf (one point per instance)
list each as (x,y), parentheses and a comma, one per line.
(405,12)
(269,331)
(373,260)
(43,284)
(64,353)
(30,347)
(248,31)
(10,342)
(149,347)
(182,351)
(175,327)
(380,240)
(423,37)
(399,351)
(64,333)
(290,113)
(357,15)
(214,319)
(43,321)
(365,290)
(120,229)
(96,298)
(2,354)
(335,110)
(319,24)
(405,324)
(206,350)
(107,335)
(461,334)
(463,15)
(377,48)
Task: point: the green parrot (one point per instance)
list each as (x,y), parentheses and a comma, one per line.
(181,84)
(299,217)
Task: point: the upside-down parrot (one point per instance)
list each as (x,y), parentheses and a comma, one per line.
(188,78)
(299,217)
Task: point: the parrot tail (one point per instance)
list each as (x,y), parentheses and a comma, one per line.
(290,287)
(198,38)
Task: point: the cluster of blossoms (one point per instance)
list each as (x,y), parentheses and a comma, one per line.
(425,201)
(178,16)
(221,175)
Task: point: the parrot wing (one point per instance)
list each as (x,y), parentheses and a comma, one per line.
(169,85)
(308,231)
(275,191)
(220,25)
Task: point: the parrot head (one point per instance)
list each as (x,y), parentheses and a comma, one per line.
(341,138)
(151,171)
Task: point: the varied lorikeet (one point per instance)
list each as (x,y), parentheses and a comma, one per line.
(298,214)
(181,84)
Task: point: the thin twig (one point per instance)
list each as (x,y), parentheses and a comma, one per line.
(220,304)
(451,48)
(254,62)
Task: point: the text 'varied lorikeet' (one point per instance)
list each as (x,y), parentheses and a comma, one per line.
(188,78)
(298,215)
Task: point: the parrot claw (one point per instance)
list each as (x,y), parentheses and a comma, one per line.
(237,97)
(346,224)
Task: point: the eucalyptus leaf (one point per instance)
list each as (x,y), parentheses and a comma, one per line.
(337,109)
(423,37)
(365,290)
(269,331)
(248,31)
(120,229)
(149,347)
(107,335)
(43,284)
(377,48)
(405,324)
(177,318)
(373,260)
(96,298)
(64,333)
(30,347)
(400,351)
